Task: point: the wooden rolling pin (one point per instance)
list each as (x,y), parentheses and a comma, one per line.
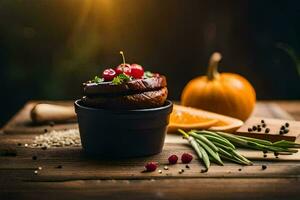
(43,112)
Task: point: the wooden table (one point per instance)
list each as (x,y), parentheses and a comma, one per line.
(81,177)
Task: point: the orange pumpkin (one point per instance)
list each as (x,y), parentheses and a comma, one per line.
(225,93)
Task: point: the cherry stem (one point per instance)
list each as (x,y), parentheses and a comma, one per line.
(212,71)
(123,57)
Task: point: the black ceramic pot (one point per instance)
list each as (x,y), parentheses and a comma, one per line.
(122,133)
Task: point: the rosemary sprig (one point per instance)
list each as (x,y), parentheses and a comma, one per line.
(216,145)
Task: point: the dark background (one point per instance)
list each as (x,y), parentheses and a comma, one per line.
(49,47)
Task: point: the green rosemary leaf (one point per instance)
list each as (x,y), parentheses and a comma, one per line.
(148,74)
(120,79)
(97,80)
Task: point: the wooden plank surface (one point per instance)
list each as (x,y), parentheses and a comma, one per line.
(215,188)
(82,177)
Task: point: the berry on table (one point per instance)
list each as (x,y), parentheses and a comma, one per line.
(186,158)
(173,159)
(151,166)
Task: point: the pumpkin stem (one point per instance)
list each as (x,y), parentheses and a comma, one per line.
(212,71)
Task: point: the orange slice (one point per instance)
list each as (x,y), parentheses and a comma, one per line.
(188,118)
(191,118)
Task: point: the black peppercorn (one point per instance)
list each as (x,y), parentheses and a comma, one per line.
(276,154)
(281,132)
(249,129)
(262,121)
(264,125)
(254,128)
(258,129)
(203,170)
(240,169)
(282,128)
(45,130)
(267,130)
(286,130)
(265,155)
(258,126)
(264,167)
(34,157)
(287,124)
(59,166)
(187,166)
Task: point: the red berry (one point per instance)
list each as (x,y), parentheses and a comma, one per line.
(123,69)
(137,71)
(173,159)
(151,166)
(186,158)
(109,74)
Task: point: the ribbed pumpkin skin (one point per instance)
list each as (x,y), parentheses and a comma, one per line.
(228,94)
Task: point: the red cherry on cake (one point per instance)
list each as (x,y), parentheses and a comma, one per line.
(137,71)
(123,68)
(108,74)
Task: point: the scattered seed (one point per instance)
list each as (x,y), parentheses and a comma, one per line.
(267,130)
(281,132)
(264,125)
(187,166)
(45,130)
(265,155)
(35,171)
(25,145)
(254,128)
(40,168)
(181,171)
(159,171)
(265,152)
(59,166)
(276,154)
(19,144)
(34,157)
(57,139)
(263,167)
(240,169)
(203,170)
(262,121)
(249,129)
(166,167)
(258,126)
(287,124)
(282,127)
(51,123)
(286,130)
(258,129)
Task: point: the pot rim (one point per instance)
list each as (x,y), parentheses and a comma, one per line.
(168,105)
